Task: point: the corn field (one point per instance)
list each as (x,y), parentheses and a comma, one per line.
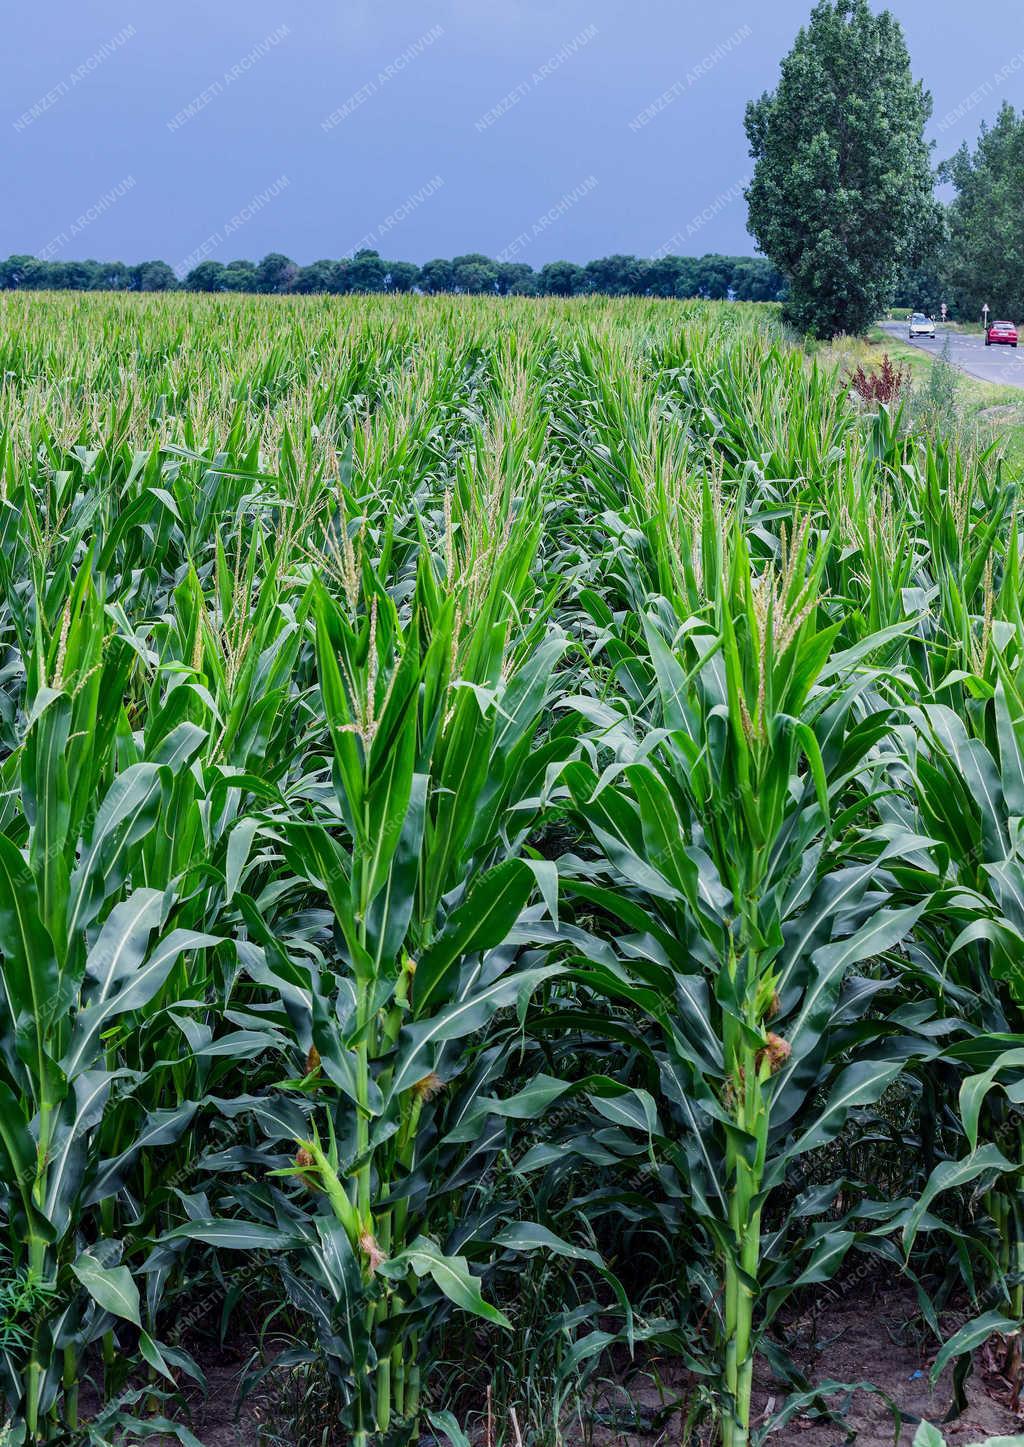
(510,860)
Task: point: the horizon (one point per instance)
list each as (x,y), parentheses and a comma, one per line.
(143,136)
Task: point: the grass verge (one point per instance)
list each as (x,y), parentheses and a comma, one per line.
(981,413)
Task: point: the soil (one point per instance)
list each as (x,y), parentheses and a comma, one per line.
(217,1421)
(885,1342)
(873,1335)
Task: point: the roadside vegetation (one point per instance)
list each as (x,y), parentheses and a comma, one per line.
(843,196)
(978,417)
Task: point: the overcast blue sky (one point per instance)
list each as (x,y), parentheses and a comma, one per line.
(540,130)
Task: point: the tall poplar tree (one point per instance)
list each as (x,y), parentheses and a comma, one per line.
(842,195)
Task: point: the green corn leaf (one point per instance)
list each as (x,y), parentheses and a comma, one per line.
(449,1428)
(419,1041)
(526,1104)
(111,1287)
(951,1175)
(975,1088)
(495,902)
(528,1236)
(30,973)
(969,1337)
(450,1273)
(228,1234)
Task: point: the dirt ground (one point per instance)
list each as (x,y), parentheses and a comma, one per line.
(885,1342)
(874,1335)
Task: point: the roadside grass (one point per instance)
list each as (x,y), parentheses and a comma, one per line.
(981,414)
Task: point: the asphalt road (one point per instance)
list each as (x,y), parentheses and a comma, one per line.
(1001,364)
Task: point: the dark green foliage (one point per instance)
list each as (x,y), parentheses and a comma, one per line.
(985,261)
(744,278)
(563,278)
(275,273)
(366,271)
(206,276)
(841,195)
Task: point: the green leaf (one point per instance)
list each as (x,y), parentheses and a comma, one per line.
(975,1088)
(463,1017)
(239,848)
(664,841)
(128,812)
(111,1286)
(529,1236)
(153,1355)
(30,973)
(446,1424)
(339,719)
(137,988)
(971,1335)
(79,1117)
(829,965)
(826,1257)
(387,800)
(859,1084)
(495,902)
(450,1273)
(160,1128)
(48,805)
(229,1234)
(630,1107)
(527,1104)
(948,1176)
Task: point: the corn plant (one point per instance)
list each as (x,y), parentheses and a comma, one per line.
(87,944)
(436,770)
(737,855)
(968,789)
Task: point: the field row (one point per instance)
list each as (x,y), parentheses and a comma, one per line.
(509,848)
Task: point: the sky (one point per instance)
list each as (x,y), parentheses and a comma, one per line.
(421,128)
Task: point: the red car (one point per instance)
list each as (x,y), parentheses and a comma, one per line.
(1001,332)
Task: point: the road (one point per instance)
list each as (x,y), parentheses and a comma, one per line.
(1004,365)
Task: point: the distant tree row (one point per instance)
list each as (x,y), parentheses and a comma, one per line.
(31,274)
(980,259)
(743,278)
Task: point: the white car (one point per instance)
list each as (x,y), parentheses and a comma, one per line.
(921,326)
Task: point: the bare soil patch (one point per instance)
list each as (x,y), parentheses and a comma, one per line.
(874,1335)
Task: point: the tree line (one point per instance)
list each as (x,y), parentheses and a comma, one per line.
(714,277)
